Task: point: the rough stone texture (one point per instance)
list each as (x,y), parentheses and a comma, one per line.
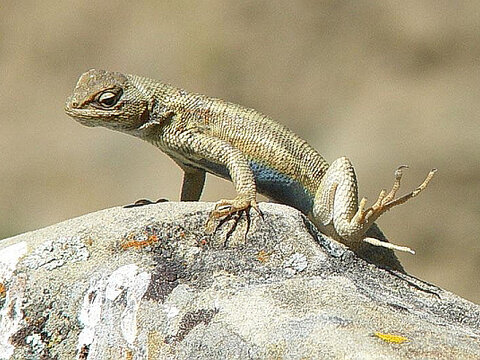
(149,283)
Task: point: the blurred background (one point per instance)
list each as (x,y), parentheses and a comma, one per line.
(383,82)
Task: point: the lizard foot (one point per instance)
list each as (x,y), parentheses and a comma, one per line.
(143,202)
(384,203)
(387,201)
(227,208)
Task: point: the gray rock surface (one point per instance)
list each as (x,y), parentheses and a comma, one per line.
(148,283)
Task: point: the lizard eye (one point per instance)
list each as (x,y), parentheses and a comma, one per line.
(108,98)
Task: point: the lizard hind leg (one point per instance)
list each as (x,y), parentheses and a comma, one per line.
(336,204)
(337,211)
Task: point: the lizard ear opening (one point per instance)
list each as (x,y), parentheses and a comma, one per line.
(154,114)
(143,120)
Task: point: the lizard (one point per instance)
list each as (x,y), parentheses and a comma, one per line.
(257,154)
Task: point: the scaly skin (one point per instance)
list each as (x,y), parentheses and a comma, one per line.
(203,134)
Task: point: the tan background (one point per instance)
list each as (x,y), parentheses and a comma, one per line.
(383,82)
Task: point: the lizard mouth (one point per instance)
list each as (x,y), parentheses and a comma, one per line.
(90,119)
(76,114)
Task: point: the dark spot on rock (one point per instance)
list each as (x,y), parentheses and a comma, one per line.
(92,296)
(83,353)
(35,326)
(164,279)
(18,339)
(398,307)
(11,310)
(189,321)
(121,298)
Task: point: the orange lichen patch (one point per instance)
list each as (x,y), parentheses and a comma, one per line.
(202,242)
(390,338)
(128,354)
(152,239)
(3,290)
(263,256)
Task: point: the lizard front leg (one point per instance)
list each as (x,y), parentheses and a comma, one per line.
(193,182)
(338,213)
(214,152)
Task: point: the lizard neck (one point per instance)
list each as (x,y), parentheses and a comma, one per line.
(167,97)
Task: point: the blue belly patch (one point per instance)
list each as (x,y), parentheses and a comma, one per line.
(271,183)
(281,188)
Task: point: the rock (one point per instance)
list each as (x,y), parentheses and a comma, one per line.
(148,282)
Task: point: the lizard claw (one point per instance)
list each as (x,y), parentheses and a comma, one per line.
(143,202)
(226,208)
(255,206)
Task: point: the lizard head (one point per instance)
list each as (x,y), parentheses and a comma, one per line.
(109,99)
